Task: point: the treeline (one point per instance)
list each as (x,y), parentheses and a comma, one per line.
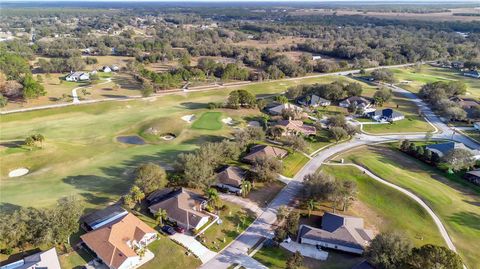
(32,227)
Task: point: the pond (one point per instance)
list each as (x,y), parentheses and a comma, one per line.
(132,139)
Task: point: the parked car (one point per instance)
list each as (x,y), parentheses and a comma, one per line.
(180,229)
(168,230)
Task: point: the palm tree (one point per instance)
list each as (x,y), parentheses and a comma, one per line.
(137,194)
(311,206)
(160,216)
(246,187)
(212,195)
(282,213)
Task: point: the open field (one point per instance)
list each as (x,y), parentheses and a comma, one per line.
(427,74)
(81,156)
(435,16)
(386,209)
(455,201)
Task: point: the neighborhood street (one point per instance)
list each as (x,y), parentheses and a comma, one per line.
(263,226)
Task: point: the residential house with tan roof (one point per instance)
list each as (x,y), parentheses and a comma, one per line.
(278,110)
(182,206)
(339,232)
(294,127)
(117,243)
(231,178)
(358,101)
(261,151)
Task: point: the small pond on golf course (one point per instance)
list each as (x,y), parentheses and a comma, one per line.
(132,139)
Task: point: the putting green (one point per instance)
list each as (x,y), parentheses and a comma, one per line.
(208,121)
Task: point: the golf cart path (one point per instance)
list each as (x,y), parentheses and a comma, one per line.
(75,94)
(417,199)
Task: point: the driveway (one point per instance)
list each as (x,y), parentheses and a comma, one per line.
(245,203)
(190,243)
(306,250)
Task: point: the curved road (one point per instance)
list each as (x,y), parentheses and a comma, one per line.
(237,251)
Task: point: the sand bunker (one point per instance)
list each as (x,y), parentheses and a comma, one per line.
(189,118)
(168,137)
(18,172)
(228,121)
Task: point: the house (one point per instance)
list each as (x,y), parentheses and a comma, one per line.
(472,73)
(183,207)
(357,101)
(278,110)
(77,76)
(118,242)
(47,259)
(473,176)
(102,217)
(476,125)
(259,151)
(114,68)
(465,103)
(231,178)
(340,232)
(294,127)
(386,114)
(314,100)
(106,69)
(444,148)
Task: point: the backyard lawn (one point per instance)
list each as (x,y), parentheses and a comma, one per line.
(208,121)
(455,203)
(276,258)
(235,219)
(410,124)
(386,209)
(169,254)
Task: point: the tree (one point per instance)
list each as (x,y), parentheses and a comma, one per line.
(137,194)
(336,121)
(292,222)
(388,251)
(160,216)
(383,74)
(32,88)
(296,142)
(212,197)
(337,133)
(459,159)
(295,261)
(353,89)
(282,213)
(348,192)
(281,99)
(65,217)
(128,201)
(382,95)
(150,177)
(246,187)
(39,78)
(147,90)
(275,131)
(310,206)
(3,100)
(265,169)
(431,256)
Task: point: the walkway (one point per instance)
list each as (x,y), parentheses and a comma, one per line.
(435,218)
(76,100)
(190,243)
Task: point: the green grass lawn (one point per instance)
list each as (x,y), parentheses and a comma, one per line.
(392,210)
(428,74)
(208,121)
(170,255)
(455,203)
(411,123)
(276,258)
(318,141)
(234,220)
(75,259)
(293,163)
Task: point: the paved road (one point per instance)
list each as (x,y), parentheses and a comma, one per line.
(194,89)
(263,226)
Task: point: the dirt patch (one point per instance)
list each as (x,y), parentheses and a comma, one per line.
(262,194)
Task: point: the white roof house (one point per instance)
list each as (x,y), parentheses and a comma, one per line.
(277,110)
(47,259)
(77,76)
(106,69)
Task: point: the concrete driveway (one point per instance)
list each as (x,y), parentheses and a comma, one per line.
(306,250)
(190,243)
